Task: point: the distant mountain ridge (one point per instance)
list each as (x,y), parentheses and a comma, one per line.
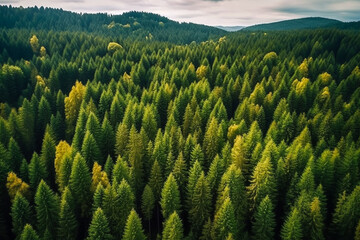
(134,25)
(303,23)
(230,28)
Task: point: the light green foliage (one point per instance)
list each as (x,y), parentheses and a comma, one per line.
(173,229)
(170,197)
(133,228)
(99,227)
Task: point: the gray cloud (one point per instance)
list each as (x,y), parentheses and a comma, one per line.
(212,12)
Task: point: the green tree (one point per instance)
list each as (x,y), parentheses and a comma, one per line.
(20,213)
(170,197)
(200,205)
(211,142)
(47,209)
(262,183)
(80,182)
(225,221)
(147,204)
(133,228)
(99,227)
(173,228)
(67,227)
(292,227)
(316,223)
(264,220)
(29,233)
(37,171)
(90,150)
(194,174)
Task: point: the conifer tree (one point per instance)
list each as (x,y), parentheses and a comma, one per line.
(37,171)
(262,183)
(170,197)
(29,233)
(156,180)
(20,213)
(133,228)
(292,227)
(316,223)
(225,221)
(99,227)
(90,150)
(67,227)
(120,171)
(15,154)
(180,172)
(211,142)
(47,209)
(48,156)
(200,205)
(173,228)
(80,182)
(108,138)
(98,197)
(264,220)
(147,204)
(194,174)
(121,140)
(65,171)
(98,176)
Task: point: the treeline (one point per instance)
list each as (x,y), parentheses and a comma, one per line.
(132,25)
(251,136)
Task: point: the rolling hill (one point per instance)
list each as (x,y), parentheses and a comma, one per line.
(298,24)
(134,25)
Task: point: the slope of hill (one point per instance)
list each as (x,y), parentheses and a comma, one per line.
(134,25)
(296,24)
(230,28)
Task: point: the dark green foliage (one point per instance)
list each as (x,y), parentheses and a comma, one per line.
(170,197)
(99,227)
(29,233)
(256,135)
(67,220)
(133,228)
(47,209)
(264,220)
(79,184)
(20,213)
(173,228)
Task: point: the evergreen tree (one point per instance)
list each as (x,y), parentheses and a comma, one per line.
(262,183)
(20,214)
(200,205)
(147,204)
(47,209)
(37,171)
(29,233)
(292,227)
(133,228)
(156,180)
(80,182)
(316,223)
(90,150)
(194,174)
(173,228)
(67,221)
(170,197)
(264,220)
(225,221)
(99,227)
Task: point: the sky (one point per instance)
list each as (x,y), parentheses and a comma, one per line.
(212,12)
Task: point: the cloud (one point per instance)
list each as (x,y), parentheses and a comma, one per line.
(9,1)
(212,12)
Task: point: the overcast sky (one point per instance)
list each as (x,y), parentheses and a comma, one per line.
(212,12)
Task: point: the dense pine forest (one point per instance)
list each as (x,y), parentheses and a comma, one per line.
(248,135)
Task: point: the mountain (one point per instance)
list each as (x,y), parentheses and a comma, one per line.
(133,25)
(297,24)
(230,28)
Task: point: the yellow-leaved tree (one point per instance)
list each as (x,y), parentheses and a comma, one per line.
(16,185)
(72,106)
(34,42)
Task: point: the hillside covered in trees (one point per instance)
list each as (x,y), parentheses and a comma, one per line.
(130,25)
(246,136)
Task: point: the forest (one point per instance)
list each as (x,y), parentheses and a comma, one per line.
(245,135)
